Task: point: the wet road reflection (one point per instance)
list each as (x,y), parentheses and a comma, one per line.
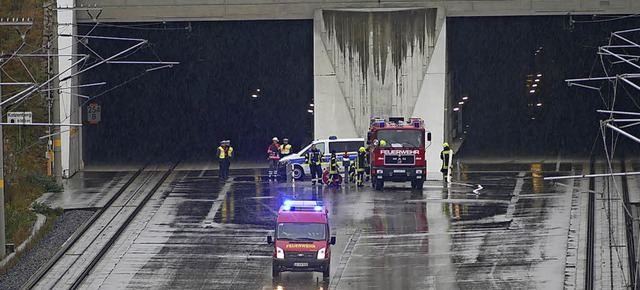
(489,230)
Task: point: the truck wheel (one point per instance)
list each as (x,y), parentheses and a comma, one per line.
(298,173)
(327,272)
(378,184)
(275,272)
(419,184)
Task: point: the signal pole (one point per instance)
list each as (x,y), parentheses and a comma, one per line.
(3,242)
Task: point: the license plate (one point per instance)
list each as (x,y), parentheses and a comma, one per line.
(399,171)
(300,264)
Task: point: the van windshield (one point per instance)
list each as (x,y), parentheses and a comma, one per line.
(302,231)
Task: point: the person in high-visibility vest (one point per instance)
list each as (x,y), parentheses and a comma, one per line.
(274,158)
(222,153)
(334,176)
(227,162)
(285,148)
(446,155)
(361,160)
(314,159)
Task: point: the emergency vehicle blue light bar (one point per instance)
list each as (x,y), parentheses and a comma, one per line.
(304,205)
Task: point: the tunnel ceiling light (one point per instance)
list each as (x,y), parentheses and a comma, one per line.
(310,105)
(310,111)
(456,109)
(465,98)
(536,80)
(539,104)
(534,85)
(257,90)
(532,91)
(460,103)
(539,75)
(254,96)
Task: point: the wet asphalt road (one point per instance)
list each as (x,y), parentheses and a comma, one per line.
(497,227)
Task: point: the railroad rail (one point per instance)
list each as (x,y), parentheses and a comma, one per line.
(107,222)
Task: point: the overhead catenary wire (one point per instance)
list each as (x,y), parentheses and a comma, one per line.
(619,84)
(88,63)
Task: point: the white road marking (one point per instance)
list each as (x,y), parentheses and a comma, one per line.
(208,221)
(206,167)
(515,196)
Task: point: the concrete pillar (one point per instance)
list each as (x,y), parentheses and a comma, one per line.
(380,63)
(67,104)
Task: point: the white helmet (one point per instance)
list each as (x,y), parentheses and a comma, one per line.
(274,139)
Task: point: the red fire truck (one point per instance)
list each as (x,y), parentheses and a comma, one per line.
(397,151)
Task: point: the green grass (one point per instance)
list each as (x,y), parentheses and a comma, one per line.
(52,217)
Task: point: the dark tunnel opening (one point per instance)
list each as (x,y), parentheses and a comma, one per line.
(212,95)
(513,70)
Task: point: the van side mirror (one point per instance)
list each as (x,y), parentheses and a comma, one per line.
(332,241)
(428,136)
(269,240)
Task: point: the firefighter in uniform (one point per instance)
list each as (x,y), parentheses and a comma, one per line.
(361,163)
(445,155)
(352,171)
(334,176)
(274,157)
(314,158)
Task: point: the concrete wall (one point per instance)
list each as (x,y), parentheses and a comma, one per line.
(193,10)
(379,63)
(71,149)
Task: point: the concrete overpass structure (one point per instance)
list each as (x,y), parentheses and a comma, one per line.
(371,58)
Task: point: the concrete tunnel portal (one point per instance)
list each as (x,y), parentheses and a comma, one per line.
(184,112)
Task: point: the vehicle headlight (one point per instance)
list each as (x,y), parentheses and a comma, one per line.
(279,253)
(419,171)
(322,253)
(379,171)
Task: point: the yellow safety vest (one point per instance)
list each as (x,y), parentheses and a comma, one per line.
(285,149)
(221,153)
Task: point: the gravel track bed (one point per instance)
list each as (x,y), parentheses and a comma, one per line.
(33,259)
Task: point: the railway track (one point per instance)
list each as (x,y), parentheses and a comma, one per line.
(73,263)
(628,219)
(591,210)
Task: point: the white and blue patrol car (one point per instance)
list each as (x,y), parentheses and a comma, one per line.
(300,169)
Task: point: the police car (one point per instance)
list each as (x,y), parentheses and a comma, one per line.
(300,168)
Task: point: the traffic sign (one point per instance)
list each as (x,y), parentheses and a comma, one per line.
(93,113)
(20,117)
